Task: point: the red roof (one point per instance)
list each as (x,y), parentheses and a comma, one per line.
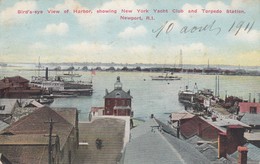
(17,79)
(3,85)
(192,127)
(235,127)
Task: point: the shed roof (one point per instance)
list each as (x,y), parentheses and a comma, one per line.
(3,125)
(9,105)
(175,116)
(225,122)
(251,119)
(253,136)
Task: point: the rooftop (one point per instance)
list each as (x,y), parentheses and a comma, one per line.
(175,116)
(17,79)
(8,106)
(151,145)
(110,131)
(117,93)
(251,119)
(253,152)
(35,123)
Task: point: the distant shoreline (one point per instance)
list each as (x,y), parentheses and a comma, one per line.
(204,71)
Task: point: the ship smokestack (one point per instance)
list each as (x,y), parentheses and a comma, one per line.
(46,73)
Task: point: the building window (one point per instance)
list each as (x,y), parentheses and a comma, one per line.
(252,110)
(123,102)
(108,102)
(2,107)
(117,94)
(128,102)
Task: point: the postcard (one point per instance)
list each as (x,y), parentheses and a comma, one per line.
(138,58)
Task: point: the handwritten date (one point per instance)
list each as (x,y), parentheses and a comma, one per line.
(235,28)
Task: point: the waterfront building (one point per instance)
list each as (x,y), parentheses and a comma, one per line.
(18,87)
(118,102)
(3,89)
(249,107)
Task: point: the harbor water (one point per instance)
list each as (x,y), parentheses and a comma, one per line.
(149,97)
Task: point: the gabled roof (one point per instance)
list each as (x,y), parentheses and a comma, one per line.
(26,154)
(35,123)
(191,127)
(68,114)
(17,79)
(25,139)
(118,93)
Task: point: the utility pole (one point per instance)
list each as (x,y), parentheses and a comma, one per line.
(50,141)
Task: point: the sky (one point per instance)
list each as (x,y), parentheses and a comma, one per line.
(167,38)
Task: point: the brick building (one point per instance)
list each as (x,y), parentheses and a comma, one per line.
(118,102)
(249,107)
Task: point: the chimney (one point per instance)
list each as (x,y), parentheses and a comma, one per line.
(222,145)
(242,154)
(46,73)
(214,118)
(235,137)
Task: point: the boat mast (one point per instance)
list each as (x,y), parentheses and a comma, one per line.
(39,65)
(180,59)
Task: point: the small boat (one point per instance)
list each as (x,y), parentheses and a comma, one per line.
(72,74)
(166,77)
(45,100)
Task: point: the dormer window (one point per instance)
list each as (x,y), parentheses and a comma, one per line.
(117,94)
(2,107)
